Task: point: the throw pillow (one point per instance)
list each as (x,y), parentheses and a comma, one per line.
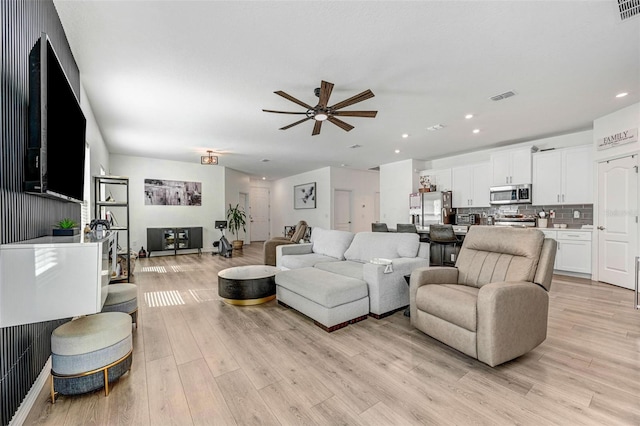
(331,242)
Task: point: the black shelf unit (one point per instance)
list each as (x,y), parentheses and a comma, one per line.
(174,239)
(104,202)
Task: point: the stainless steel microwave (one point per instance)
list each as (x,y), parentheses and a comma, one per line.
(510,194)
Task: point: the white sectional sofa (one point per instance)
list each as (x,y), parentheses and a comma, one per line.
(324,279)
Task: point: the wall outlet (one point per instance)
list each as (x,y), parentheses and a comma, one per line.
(576,214)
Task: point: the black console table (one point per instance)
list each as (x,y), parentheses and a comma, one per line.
(174,239)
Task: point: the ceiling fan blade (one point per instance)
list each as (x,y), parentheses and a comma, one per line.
(368,114)
(354,99)
(316,128)
(283,112)
(325,91)
(292,99)
(340,123)
(295,124)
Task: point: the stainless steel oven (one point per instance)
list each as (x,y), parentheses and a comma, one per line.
(510,194)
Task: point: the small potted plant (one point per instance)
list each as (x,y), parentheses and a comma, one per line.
(236,218)
(66,227)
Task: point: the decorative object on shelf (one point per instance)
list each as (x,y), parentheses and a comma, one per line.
(67,228)
(428,183)
(211,160)
(162,192)
(142,253)
(304,196)
(236,218)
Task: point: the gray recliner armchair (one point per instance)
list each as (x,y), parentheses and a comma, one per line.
(493,305)
(269,247)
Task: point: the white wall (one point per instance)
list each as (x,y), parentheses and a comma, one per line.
(363,186)
(624,119)
(397,181)
(98,152)
(282,211)
(236,182)
(562,141)
(137,169)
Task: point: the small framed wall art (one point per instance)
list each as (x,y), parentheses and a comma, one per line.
(304,196)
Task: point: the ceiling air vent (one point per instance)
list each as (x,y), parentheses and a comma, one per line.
(502,96)
(376,168)
(355,146)
(628,8)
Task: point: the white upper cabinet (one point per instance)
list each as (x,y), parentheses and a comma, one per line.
(441,178)
(470,185)
(563,176)
(511,167)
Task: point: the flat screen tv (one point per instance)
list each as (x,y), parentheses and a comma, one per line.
(54,164)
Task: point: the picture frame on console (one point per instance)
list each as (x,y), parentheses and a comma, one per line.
(304,196)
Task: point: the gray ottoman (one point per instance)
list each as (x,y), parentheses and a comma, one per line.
(90,352)
(333,301)
(122,298)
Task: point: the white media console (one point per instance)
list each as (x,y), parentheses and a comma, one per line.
(50,278)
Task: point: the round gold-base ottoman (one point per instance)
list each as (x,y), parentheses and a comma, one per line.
(122,298)
(90,352)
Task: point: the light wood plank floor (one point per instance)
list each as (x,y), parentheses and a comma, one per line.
(200,361)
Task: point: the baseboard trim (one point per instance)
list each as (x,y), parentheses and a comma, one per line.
(27,403)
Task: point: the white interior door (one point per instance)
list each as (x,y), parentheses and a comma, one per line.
(617,215)
(342,210)
(243,199)
(259,214)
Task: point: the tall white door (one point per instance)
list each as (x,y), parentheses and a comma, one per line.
(243,200)
(617,215)
(259,214)
(342,210)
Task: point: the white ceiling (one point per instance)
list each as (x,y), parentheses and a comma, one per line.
(172,79)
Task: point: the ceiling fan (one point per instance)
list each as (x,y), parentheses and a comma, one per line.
(322,112)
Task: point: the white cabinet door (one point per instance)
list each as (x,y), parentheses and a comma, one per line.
(574,256)
(480,185)
(521,166)
(511,167)
(547,178)
(563,176)
(470,185)
(500,168)
(577,176)
(461,186)
(443,179)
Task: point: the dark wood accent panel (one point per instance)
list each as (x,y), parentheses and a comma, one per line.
(25,349)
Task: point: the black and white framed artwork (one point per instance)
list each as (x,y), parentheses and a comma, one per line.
(304,196)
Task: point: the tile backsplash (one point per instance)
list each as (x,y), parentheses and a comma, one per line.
(563,213)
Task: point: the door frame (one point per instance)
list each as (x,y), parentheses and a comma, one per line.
(595,240)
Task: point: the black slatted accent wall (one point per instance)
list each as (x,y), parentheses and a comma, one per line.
(25,349)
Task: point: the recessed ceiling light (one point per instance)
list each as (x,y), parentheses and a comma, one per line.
(621,95)
(264,178)
(397,151)
(476,130)
(354,146)
(468,116)
(405,135)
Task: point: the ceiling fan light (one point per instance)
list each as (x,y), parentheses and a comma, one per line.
(320,116)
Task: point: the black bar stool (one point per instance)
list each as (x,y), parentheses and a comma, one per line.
(443,243)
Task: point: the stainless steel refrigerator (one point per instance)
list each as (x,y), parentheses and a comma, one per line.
(426,208)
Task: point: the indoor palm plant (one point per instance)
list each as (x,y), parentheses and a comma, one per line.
(236,218)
